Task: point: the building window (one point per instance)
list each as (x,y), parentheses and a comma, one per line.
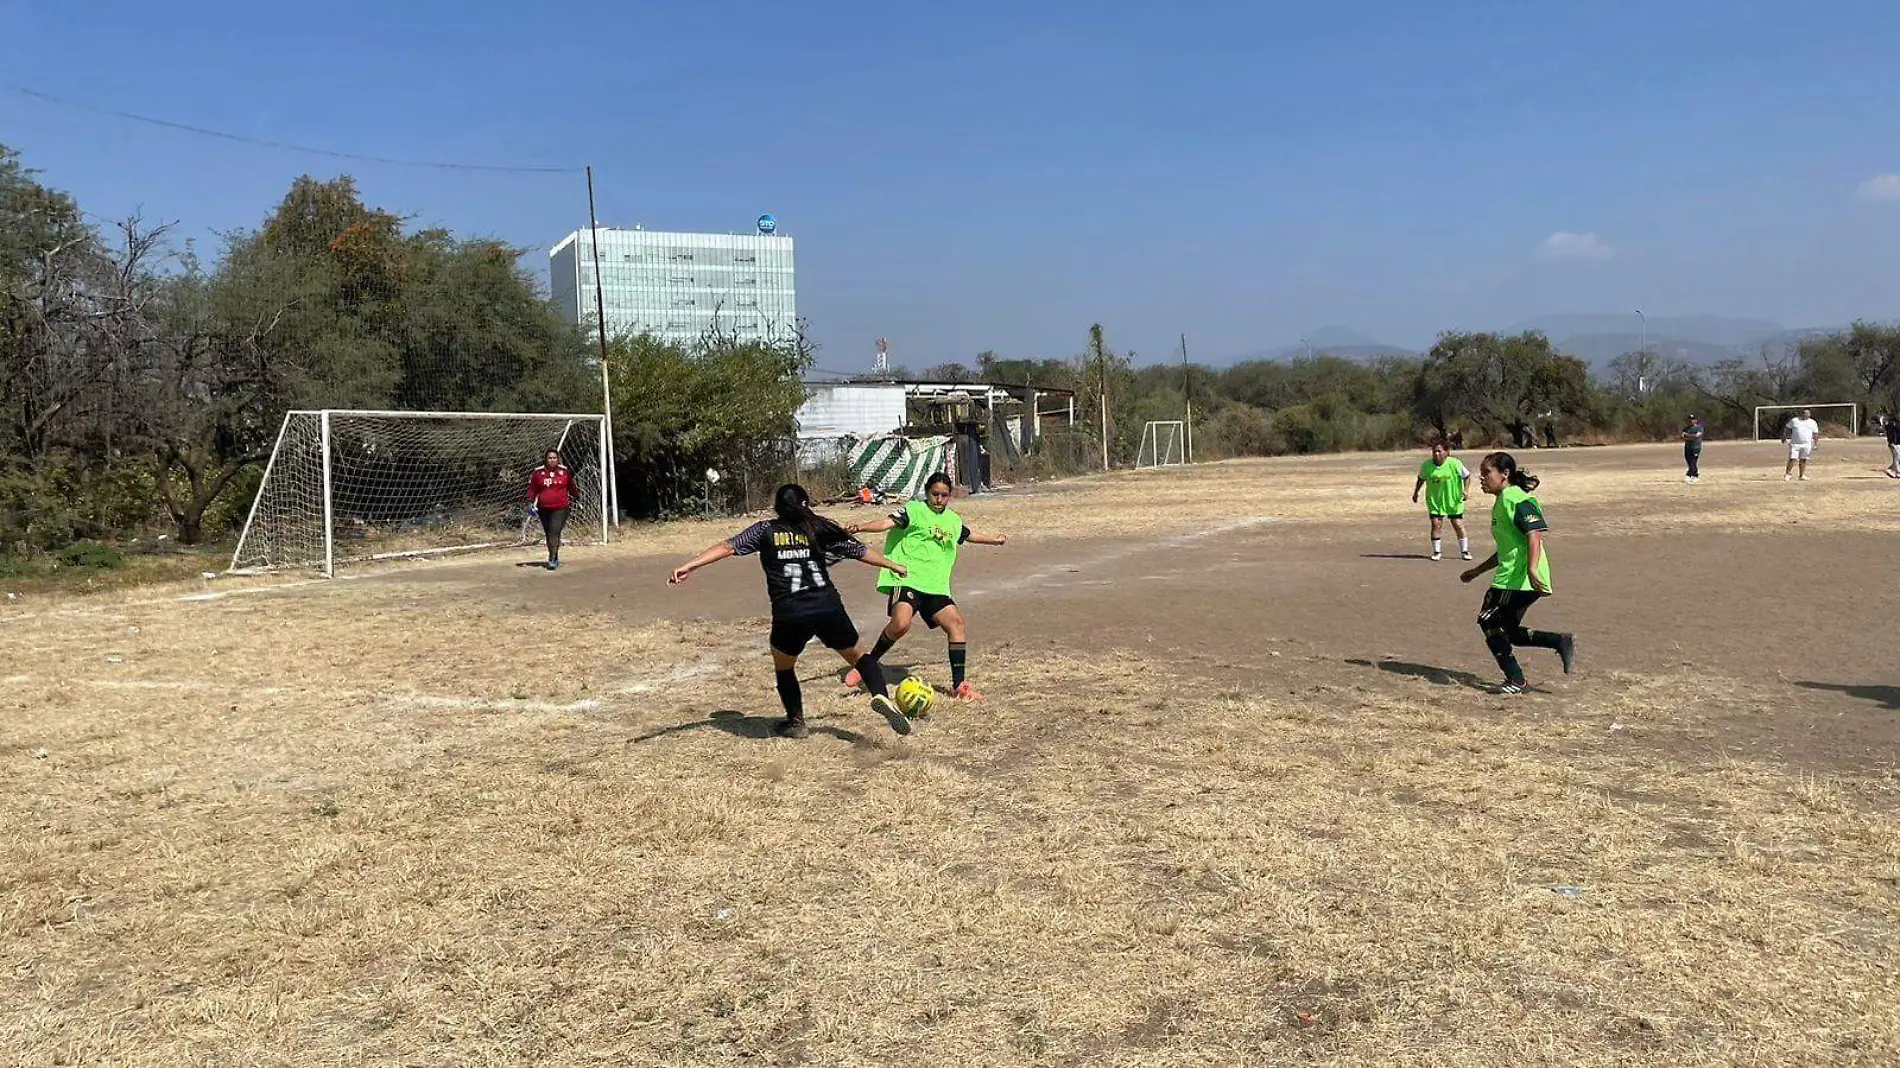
(747,303)
(686,302)
(679,326)
(682,257)
(681,278)
(744,257)
(745,282)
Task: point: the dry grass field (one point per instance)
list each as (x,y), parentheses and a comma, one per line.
(1237,797)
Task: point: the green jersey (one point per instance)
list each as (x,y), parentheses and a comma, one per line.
(1513,518)
(1444,485)
(925,542)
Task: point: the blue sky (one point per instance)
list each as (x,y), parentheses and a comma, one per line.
(998,176)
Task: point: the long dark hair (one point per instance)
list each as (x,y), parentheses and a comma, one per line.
(1505,464)
(940,477)
(792,505)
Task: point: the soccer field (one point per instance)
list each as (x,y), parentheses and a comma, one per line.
(1237,796)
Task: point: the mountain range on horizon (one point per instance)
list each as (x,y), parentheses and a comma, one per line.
(1596,339)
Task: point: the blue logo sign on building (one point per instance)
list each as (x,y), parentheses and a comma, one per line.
(767,224)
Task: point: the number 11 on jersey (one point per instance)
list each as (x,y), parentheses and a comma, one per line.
(803,574)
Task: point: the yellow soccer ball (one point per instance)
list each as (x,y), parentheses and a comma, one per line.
(915,696)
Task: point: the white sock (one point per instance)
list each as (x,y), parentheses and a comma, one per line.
(1464,545)
(1438,546)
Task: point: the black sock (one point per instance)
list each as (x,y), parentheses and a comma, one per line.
(1543,639)
(884,643)
(959,658)
(1500,644)
(789,694)
(872,673)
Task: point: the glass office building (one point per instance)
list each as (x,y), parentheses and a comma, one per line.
(679,286)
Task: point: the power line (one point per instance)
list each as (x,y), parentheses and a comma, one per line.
(283,146)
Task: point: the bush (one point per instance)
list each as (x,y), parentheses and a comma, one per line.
(61,501)
(90,555)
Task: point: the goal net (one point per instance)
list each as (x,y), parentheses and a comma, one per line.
(347,486)
(1770,419)
(1162,444)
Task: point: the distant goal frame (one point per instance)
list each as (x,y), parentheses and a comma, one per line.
(1172,453)
(600,495)
(1853,418)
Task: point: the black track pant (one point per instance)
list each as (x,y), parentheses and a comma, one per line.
(1502,620)
(553,521)
(1694,459)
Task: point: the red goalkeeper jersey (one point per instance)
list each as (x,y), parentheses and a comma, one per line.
(548,488)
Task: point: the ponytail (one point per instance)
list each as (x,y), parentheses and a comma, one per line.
(793,507)
(1504,463)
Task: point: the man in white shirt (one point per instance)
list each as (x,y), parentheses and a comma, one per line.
(1802,434)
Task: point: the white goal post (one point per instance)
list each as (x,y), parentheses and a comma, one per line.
(1163,444)
(344,486)
(1770,428)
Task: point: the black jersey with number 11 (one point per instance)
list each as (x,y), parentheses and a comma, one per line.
(797,577)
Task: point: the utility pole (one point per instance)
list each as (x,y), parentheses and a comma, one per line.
(1187,390)
(1101,381)
(606,391)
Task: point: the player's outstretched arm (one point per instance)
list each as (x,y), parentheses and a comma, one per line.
(878,559)
(874,526)
(714,553)
(989,539)
(1488,563)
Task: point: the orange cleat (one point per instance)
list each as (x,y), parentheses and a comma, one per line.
(853,680)
(966,692)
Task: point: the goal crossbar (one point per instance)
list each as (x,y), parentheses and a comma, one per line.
(393,485)
(1853,417)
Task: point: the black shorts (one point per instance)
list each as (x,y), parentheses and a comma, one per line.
(1504,609)
(790,634)
(1459,516)
(926,605)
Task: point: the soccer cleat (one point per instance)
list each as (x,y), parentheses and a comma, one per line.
(1787,478)
(853,680)
(1509,688)
(966,692)
(791,728)
(894,716)
(1466,555)
(1437,556)
(1567,650)
(1804,478)
(554,565)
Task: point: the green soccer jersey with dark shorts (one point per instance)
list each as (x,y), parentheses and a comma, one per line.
(1513,518)
(1444,486)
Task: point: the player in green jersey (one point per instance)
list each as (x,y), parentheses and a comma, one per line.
(1447,486)
(924,536)
(1518,527)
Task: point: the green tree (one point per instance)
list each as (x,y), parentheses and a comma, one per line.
(1493,381)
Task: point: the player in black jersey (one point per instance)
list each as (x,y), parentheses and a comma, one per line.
(796,549)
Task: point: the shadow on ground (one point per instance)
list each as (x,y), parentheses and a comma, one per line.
(740,725)
(1435,675)
(1879,694)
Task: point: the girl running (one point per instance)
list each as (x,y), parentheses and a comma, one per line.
(1447,486)
(796,549)
(925,536)
(1517,525)
(549,489)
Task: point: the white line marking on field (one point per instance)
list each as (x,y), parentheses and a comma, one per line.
(708,666)
(1053,576)
(412,700)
